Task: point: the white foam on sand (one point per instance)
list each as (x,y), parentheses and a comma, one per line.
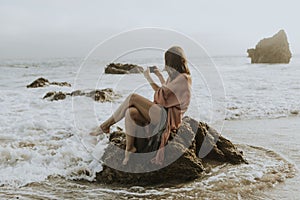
(38,137)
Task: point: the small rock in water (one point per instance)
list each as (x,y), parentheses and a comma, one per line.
(49,94)
(61,84)
(103,95)
(41,82)
(55,96)
(294,112)
(77,93)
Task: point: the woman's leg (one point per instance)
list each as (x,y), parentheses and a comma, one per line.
(138,110)
(133,119)
(148,110)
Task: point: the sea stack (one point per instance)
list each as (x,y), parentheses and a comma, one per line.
(273,50)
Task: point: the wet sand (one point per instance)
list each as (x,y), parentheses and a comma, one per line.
(280,135)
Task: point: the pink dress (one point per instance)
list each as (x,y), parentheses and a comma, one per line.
(175,96)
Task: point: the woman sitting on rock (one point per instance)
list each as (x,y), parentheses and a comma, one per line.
(160,117)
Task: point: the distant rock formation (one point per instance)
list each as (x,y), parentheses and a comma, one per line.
(118,68)
(191,136)
(104,95)
(42,82)
(271,50)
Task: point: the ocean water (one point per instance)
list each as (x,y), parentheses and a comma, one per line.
(44,147)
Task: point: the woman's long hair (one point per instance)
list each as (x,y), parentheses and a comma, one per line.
(176,59)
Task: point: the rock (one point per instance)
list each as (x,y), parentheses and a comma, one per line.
(271,50)
(189,165)
(41,82)
(77,93)
(104,95)
(61,84)
(294,112)
(118,68)
(59,96)
(49,94)
(55,96)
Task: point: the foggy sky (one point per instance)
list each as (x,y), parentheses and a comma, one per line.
(71,28)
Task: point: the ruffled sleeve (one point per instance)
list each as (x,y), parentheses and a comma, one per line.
(169,94)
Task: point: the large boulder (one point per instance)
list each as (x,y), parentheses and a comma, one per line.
(191,152)
(271,50)
(118,68)
(42,82)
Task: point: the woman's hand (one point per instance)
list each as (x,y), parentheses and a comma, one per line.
(157,72)
(159,75)
(154,86)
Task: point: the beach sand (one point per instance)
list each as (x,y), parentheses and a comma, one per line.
(280,135)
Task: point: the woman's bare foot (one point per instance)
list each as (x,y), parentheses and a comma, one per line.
(128,152)
(100,130)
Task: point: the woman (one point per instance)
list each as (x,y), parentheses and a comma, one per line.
(173,97)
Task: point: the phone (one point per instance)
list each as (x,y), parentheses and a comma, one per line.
(152,69)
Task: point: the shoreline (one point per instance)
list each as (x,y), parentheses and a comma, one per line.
(279,135)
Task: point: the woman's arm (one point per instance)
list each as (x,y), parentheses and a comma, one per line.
(160,76)
(150,80)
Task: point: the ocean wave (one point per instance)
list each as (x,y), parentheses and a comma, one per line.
(265,169)
(41,140)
